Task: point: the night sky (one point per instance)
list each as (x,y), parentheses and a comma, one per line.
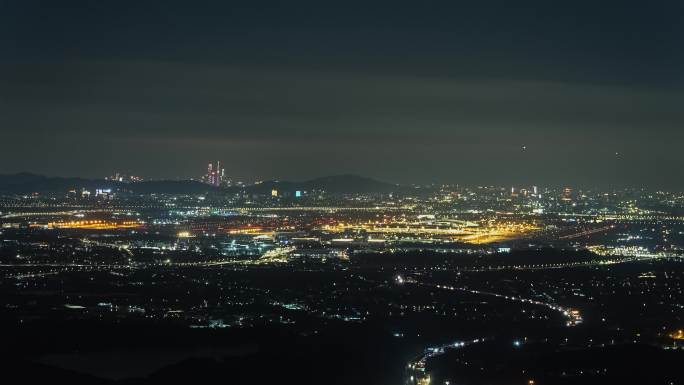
(472,92)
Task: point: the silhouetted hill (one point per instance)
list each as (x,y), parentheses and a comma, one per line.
(169,187)
(339,184)
(27,183)
(345,183)
(35,373)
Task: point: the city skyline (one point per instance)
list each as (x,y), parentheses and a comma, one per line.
(336,192)
(226,180)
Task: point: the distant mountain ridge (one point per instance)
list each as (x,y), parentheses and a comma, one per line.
(339,184)
(27,183)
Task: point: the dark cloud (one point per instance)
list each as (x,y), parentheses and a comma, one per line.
(407,93)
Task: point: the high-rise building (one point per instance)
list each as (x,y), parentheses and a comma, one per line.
(217,175)
(567,194)
(214,176)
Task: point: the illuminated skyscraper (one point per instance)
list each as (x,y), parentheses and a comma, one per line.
(214,176)
(567,194)
(217,174)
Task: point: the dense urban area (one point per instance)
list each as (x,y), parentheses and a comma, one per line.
(340,280)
